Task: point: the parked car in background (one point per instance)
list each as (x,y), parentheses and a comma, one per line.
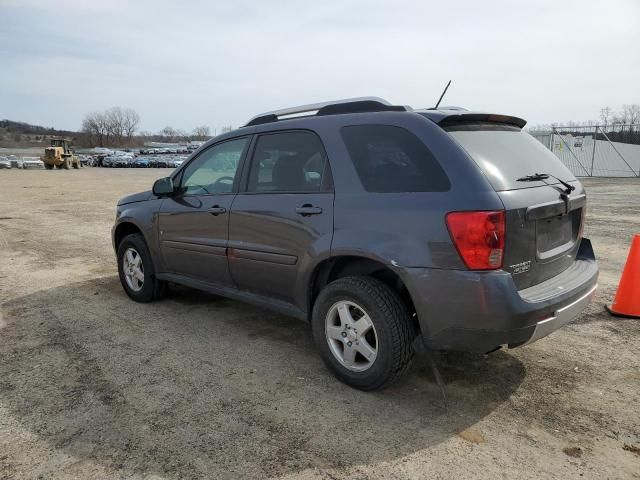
(15,162)
(122,161)
(380,225)
(5,163)
(140,162)
(176,162)
(32,164)
(163,162)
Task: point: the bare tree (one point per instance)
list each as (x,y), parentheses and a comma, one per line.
(113,127)
(89,127)
(96,126)
(630,114)
(617,119)
(202,133)
(115,122)
(168,132)
(130,122)
(181,135)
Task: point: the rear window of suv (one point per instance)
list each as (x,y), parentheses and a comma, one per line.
(505,153)
(392,159)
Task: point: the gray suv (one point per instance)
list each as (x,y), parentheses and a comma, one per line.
(378,224)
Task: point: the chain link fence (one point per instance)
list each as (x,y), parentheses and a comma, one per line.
(596,151)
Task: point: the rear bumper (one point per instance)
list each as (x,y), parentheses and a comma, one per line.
(562,316)
(480,311)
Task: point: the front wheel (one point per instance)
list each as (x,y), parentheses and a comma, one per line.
(363,331)
(136,271)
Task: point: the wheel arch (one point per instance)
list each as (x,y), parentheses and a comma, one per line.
(123,229)
(342,266)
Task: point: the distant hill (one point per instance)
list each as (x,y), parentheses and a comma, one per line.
(21,134)
(24,135)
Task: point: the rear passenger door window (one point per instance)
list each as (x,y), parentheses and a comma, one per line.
(284,217)
(392,159)
(287,162)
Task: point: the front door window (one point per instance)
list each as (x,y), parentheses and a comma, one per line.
(214,170)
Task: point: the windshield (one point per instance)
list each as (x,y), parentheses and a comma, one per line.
(506,153)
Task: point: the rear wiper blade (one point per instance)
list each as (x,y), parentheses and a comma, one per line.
(543,176)
(533,178)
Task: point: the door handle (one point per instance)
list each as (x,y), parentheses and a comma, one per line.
(307,210)
(217,210)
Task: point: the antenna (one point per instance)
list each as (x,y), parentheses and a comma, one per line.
(441,96)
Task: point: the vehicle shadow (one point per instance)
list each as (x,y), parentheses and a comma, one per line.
(201,386)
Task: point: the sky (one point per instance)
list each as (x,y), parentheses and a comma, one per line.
(189,63)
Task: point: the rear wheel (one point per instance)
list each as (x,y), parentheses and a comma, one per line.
(48,166)
(363,331)
(136,270)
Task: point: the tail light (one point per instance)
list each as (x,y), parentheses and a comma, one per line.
(478,237)
(583,214)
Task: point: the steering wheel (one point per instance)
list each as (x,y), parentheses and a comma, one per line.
(224,182)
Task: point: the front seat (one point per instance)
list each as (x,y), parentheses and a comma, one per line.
(288,173)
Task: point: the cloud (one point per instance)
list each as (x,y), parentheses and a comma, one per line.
(219,63)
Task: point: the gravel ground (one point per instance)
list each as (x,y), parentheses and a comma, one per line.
(93,385)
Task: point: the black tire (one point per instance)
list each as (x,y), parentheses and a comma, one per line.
(48,166)
(393,328)
(152,288)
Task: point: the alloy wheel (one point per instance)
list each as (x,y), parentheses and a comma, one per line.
(351,336)
(133,269)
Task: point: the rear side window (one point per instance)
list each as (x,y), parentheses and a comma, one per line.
(392,159)
(506,153)
(287,162)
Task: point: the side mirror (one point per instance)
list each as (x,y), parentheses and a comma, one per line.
(163,187)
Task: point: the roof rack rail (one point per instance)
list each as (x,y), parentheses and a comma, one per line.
(335,107)
(449,107)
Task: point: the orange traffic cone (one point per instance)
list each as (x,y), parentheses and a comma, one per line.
(627,301)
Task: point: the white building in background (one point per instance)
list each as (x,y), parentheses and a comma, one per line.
(584,158)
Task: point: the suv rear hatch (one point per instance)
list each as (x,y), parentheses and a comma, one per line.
(543,215)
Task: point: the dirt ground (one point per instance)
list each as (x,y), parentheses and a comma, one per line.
(93,385)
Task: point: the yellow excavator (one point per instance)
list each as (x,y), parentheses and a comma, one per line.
(60,155)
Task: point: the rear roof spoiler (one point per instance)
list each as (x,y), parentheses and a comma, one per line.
(448,118)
